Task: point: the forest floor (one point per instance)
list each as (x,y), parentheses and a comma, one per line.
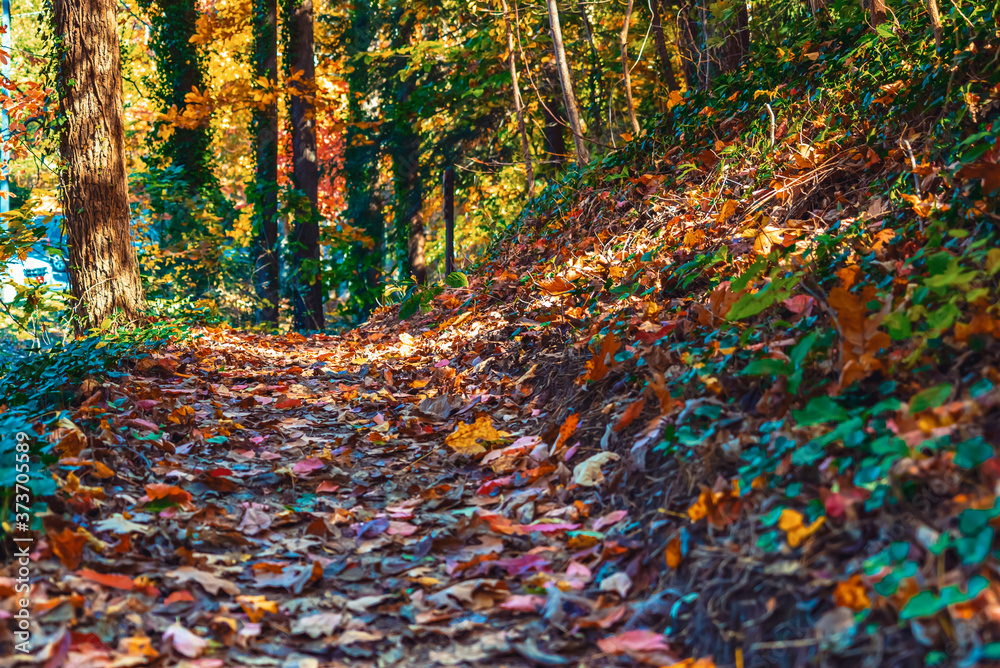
(277,501)
(731,396)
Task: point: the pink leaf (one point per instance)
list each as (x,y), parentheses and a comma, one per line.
(307,466)
(639,640)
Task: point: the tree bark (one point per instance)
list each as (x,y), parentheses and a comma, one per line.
(363,208)
(555,139)
(737,46)
(265,243)
(103,269)
(935,15)
(307,279)
(566,82)
(661,48)
(594,74)
(529,186)
(877,8)
(626,75)
(180,66)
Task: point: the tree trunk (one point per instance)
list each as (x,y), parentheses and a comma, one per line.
(529,185)
(566,82)
(661,48)
(404,149)
(687,47)
(363,207)
(932,10)
(877,8)
(103,268)
(594,76)
(626,75)
(737,46)
(555,139)
(306,280)
(265,243)
(180,64)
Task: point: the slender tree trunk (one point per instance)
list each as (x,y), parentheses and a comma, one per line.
(265,243)
(363,207)
(594,76)
(737,46)
(555,139)
(935,15)
(566,81)
(103,269)
(687,46)
(626,75)
(529,185)
(661,48)
(307,279)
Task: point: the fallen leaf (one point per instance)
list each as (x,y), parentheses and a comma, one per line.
(588,472)
(184,641)
(465,439)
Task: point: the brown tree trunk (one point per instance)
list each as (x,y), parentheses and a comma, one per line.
(594,74)
(877,8)
(529,186)
(307,279)
(566,82)
(265,244)
(661,48)
(103,269)
(555,139)
(627,76)
(932,9)
(737,46)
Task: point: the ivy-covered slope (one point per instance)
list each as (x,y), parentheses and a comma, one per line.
(779,308)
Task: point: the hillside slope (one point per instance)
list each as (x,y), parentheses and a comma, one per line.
(780,309)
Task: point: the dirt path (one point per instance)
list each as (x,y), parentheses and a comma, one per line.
(273,501)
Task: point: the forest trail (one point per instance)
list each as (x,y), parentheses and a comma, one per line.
(276,501)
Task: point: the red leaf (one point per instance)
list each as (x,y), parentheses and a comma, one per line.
(289,403)
(107,579)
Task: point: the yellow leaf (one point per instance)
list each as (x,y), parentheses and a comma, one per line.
(465,439)
(728,209)
(674,99)
(795,529)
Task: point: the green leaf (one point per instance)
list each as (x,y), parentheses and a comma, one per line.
(457,279)
(932,397)
(927,604)
(767,367)
(819,410)
(409,307)
(972,452)
(898,326)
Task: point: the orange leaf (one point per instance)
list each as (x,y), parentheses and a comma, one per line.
(604,359)
(566,430)
(631,413)
(107,579)
(288,403)
(851,594)
(159,490)
(183,595)
(68,546)
(556,286)
(673,553)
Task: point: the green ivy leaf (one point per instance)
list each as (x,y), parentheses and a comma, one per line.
(819,410)
(927,604)
(932,397)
